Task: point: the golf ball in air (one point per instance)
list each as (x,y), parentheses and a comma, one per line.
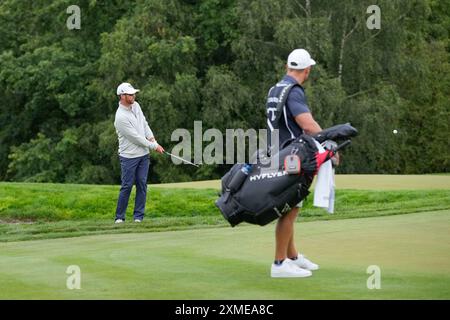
(394,131)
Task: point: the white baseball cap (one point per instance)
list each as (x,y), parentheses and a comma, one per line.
(126,88)
(299,59)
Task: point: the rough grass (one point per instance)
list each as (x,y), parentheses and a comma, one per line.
(39,211)
(54,202)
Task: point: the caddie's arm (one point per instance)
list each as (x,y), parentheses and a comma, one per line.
(311,127)
(307,123)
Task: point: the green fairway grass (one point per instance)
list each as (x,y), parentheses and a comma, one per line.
(412,252)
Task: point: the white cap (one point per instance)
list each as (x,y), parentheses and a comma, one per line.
(300,59)
(126,88)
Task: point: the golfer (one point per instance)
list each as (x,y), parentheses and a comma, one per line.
(135,140)
(295,120)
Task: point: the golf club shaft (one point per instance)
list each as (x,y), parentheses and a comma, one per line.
(185,161)
(342,145)
(332,153)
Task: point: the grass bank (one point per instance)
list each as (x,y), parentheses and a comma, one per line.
(39,211)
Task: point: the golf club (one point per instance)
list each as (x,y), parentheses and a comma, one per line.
(185,161)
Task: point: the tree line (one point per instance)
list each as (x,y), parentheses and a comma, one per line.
(214,61)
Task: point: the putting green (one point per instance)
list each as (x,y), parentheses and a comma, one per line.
(412,251)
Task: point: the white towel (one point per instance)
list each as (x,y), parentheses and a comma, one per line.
(324,189)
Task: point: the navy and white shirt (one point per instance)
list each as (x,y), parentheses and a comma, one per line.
(296,104)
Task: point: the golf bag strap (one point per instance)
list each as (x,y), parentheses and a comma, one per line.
(281,102)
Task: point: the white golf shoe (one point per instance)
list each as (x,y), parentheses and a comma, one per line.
(288,270)
(304,263)
(137,220)
(118,221)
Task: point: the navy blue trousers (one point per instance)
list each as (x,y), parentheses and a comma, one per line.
(134,171)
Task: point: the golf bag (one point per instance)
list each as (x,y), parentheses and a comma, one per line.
(260,193)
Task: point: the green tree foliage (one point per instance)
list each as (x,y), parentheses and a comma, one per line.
(214,61)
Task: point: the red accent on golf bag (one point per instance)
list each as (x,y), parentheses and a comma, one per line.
(322,157)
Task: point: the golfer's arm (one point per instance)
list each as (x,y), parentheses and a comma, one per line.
(149,134)
(148,131)
(307,123)
(129,132)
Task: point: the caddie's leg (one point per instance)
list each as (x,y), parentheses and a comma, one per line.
(292,248)
(141,187)
(284,234)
